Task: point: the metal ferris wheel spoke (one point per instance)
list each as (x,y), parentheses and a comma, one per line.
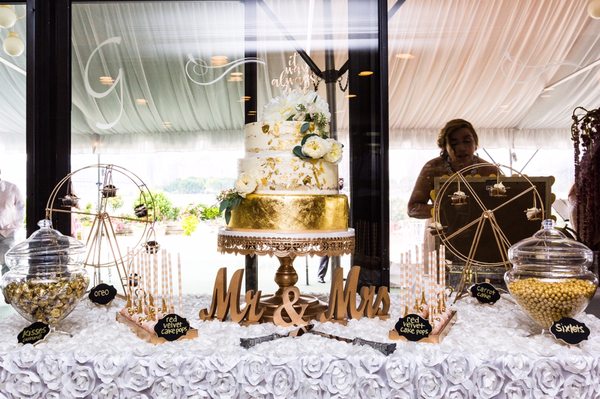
(501,240)
(473,194)
(465,227)
(513,198)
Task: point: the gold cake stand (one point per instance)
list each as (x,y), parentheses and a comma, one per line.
(286,246)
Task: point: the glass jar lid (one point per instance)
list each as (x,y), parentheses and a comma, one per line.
(550,248)
(45,247)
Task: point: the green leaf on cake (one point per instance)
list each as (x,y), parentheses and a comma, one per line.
(306,138)
(223,205)
(227,215)
(297,151)
(304,127)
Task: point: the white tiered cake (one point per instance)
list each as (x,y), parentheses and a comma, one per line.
(288,179)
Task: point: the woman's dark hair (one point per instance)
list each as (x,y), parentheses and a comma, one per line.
(451,127)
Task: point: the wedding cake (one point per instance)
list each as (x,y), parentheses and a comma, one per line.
(288,179)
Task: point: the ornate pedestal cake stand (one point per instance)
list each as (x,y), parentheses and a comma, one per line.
(286,246)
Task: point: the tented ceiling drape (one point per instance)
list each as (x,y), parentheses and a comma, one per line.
(485,61)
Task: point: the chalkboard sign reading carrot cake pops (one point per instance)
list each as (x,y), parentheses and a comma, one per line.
(485,293)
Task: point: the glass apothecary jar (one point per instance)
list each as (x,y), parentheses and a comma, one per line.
(550,277)
(46,279)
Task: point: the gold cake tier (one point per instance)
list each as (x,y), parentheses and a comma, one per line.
(291,213)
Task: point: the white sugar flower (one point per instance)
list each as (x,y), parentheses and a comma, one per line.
(316,147)
(245,184)
(335,154)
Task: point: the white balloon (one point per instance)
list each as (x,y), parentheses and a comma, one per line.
(7,17)
(593,9)
(13,45)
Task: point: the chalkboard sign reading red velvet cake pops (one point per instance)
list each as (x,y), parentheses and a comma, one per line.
(172,327)
(413,327)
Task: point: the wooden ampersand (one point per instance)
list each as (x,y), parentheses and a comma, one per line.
(228,301)
(290,296)
(342,300)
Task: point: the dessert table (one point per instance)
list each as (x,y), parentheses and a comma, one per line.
(491,351)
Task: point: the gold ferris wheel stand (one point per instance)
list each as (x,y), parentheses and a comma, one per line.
(486,219)
(102,245)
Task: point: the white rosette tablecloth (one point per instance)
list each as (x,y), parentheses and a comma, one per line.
(491,351)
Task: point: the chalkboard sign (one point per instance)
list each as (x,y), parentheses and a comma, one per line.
(33,333)
(172,327)
(413,327)
(485,293)
(570,330)
(102,294)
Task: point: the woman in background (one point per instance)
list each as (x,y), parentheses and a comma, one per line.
(458,142)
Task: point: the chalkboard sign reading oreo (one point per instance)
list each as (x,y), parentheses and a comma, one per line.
(172,327)
(485,293)
(33,333)
(413,327)
(102,294)
(570,330)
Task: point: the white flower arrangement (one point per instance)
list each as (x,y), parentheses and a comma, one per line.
(245,184)
(229,199)
(311,109)
(297,106)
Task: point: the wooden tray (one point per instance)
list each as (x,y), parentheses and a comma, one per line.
(433,338)
(151,336)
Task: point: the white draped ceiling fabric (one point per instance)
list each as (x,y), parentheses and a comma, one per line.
(485,61)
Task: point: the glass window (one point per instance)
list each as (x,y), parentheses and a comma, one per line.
(159,90)
(12,97)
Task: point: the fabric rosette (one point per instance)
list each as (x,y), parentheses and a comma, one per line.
(430,384)
(51,369)
(223,385)
(400,372)
(108,390)
(79,382)
(136,376)
(548,378)
(578,386)
(517,389)
(109,366)
(488,381)
(282,382)
(339,378)
(457,392)
(372,387)
(458,368)
(315,366)
(24,385)
(165,387)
